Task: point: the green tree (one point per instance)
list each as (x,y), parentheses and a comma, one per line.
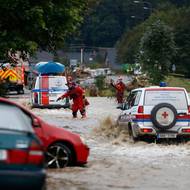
(28,25)
(100,82)
(128,45)
(109,20)
(176,18)
(157,49)
(106,23)
(182,38)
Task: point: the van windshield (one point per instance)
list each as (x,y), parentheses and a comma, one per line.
(176,98)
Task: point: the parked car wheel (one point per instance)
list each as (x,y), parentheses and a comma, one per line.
(58,156)
(164,116)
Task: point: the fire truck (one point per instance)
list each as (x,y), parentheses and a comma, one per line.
(13,77)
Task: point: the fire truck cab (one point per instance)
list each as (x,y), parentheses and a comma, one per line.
(13,77)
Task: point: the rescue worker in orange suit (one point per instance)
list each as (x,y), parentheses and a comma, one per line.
(76,93)
(120,89)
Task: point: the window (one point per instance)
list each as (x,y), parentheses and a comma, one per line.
(137,99)
(133,99)
(19,120)
(176,98)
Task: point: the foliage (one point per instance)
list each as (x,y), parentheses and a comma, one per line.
(180,2)
(178,81)
(100,82)
(27,25)
(178,19)
(95,65)
(128,46)
(129,68)
(109,20)
(182,38)
(157,49)
(106,23)
(62,60)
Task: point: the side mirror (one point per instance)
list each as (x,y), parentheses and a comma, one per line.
(36,122)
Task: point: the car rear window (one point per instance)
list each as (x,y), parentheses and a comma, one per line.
(13,118)
(176,98)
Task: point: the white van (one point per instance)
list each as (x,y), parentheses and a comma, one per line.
(46,91)
(158,112)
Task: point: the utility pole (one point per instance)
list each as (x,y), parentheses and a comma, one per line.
(81,55)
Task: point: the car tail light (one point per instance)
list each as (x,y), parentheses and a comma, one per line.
(140,109)
(17,156)
(186,130)
(146,130)
(36,153)
(188,109)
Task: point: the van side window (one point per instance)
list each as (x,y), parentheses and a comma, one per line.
(133,99)
(137,99)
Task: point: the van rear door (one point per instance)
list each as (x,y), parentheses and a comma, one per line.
(175,97)
(57,87)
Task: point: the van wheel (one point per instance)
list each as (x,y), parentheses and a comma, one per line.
(118,121)
(135,139)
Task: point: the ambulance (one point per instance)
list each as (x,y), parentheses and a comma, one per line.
(157,112)
(46,91)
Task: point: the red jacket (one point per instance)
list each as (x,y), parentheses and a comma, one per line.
(76,94)
(120,87)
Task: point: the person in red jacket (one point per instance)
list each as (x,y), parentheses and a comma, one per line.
(76,93)
(120,89)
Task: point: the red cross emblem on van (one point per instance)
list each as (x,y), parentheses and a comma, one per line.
(165,115)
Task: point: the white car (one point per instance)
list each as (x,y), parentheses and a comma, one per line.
(158,112)
(46,91)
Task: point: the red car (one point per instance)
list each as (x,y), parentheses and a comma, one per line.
(62,148)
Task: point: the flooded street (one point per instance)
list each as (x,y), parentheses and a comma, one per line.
(124,66)
(115,162)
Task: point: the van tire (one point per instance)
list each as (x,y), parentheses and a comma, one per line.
(131,135)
